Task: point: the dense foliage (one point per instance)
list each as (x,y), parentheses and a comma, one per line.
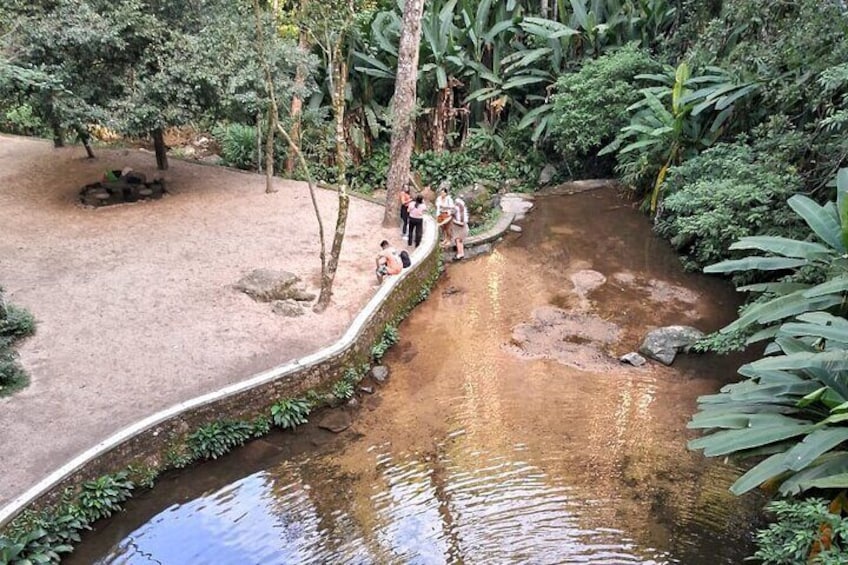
(590,105)
(725,193)
(803,532)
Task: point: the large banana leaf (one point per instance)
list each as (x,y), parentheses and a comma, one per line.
(823,220)
(783,246)
(755,263)
(731,441)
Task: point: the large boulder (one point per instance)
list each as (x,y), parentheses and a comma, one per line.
(480,201)
(268,285)
(663,344)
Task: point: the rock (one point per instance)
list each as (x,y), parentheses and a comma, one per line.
(633,358)
(267,285)
(516,204)
(353,402)
(547,174)
(515,228)
(212,159)
(288,308)
(479,201)
(335,421)
(367,389)
(380,373)
(587,280)
(450,290)
(663,344)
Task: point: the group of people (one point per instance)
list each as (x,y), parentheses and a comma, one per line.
(451,216)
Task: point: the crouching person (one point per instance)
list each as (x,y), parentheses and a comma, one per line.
(388,261)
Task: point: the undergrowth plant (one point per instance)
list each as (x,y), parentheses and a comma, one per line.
(389,337)
(290,412)
(218,438)
(805,531)
(15,324)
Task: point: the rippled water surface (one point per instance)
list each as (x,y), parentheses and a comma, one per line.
(486,445)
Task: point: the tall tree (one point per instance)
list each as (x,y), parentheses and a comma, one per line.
(403,109)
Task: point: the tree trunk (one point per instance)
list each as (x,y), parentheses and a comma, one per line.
(338,95)
(403,110)
(269,148)
(86,141)
(259,141)
(441,114)
(269,83)
(297,101)
(4,312)
(545,9)
(160,149)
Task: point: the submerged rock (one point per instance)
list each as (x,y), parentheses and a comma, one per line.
(336,421)
(663,344)
(633,358)
(267,285)
(380,373)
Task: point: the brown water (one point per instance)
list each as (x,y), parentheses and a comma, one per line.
(489,444)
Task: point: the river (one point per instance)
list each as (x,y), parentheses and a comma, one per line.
(506,433)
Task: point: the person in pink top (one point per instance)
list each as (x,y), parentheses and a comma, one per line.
(416,210)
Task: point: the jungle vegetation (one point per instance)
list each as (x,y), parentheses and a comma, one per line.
(726,118)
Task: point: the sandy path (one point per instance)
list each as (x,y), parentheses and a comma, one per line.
(134,303)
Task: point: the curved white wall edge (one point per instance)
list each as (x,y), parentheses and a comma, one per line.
(428,243)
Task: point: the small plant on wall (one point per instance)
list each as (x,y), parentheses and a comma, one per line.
(214,440)
(290,412)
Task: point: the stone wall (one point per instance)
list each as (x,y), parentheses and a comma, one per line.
(146,443)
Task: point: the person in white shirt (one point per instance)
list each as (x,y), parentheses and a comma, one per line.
(459,227)
(444,212)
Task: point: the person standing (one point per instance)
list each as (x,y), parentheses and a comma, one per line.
(405,199)
(459,227)
(416,211)
(444,211)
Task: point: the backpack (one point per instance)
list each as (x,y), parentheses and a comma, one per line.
(404,259)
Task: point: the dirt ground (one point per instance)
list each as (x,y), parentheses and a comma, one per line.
(134,302)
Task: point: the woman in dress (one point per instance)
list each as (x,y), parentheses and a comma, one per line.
(444,212)
(459,227)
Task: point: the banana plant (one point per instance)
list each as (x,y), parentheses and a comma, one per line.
(829,223)
(678,116)
(793,404)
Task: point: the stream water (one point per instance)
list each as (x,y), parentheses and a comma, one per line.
(507,432)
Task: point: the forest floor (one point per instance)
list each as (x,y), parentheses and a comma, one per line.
(134,302)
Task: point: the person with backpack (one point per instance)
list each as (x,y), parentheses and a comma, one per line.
(459,227)
(388,261)
(416,220)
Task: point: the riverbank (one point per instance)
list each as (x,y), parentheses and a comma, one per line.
(134,303)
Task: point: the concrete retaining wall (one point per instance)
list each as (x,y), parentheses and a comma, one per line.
(146,442)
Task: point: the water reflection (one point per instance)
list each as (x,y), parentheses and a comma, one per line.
(473,454)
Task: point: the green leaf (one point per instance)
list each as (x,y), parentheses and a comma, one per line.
(755,263)
(813,446)
(824,223)
(731,441)
(836,285)
(764,471)
(831,361)
(782,246)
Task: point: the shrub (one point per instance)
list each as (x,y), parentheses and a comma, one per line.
(798,532)
(460,168)
(590,104)
(102,497)
(390,337)
(218,438)
(725,193)
(19,323)
(371,174)
(238,145)
(290,412)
